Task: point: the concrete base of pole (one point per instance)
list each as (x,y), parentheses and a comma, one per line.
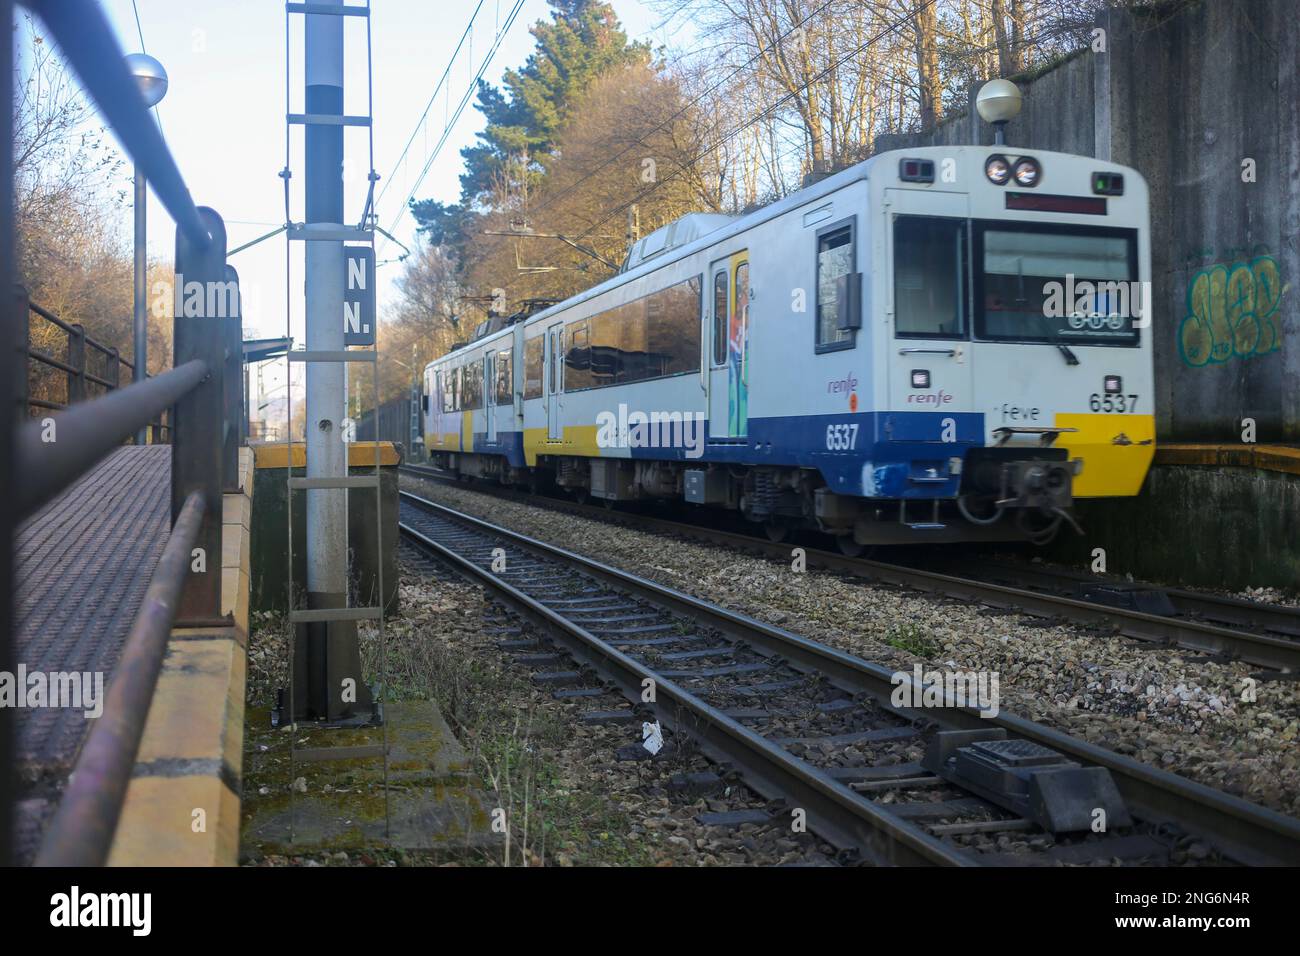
(327,678)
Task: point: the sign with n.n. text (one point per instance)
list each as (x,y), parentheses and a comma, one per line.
(359,316)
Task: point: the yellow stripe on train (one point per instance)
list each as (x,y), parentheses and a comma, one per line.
(1116,452)
(577,440)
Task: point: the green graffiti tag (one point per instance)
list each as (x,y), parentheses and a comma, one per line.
(1230,309)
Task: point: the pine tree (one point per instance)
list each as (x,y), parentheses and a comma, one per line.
(582,40)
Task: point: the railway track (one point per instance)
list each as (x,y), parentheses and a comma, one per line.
(1262,635)
(815,728)
(1275,620)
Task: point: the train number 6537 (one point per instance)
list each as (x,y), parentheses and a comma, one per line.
(841,437)
(1112,403)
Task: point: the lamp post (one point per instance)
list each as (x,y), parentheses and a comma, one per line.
(998,102)
(151,78)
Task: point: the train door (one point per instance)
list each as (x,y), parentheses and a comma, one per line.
(728,352)
(516,378)
(928,302)
(490,397)
(433,420)
(553,381)
(455,419)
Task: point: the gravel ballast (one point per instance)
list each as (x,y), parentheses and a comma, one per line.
(1160,706)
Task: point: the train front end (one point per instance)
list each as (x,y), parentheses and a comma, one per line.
(1014,303)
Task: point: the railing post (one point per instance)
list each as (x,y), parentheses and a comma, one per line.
(77,359)
(234,388)
(22,306)
(8,519)
(114,369)
(201,299)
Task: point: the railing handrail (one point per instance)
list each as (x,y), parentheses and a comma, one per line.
(88,431)
(71,329)
(75,329)
(81,832)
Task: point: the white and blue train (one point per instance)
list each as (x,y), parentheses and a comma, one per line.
(944,344)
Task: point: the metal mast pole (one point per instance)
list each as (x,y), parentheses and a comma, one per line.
(330,654)
(141,356)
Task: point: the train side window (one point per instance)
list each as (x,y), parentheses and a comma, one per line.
(835,258)
(577,357)
(928,278)
(720,319)
(471,386)
(533,368)
(503,378)
(631,342)
(673,329)
(555,359)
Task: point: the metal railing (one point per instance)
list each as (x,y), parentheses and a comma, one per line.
(81,832)
(75,365)
(48,457)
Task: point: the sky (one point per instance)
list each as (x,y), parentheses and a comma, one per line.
(223,116)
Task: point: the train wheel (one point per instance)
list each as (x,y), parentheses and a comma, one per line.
(848,547)
(580,495)
(776,531)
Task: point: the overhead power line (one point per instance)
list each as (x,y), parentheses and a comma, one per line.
(893,27)
(432,97)
(455,116)
(684,110)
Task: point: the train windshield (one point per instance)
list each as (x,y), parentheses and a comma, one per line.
(1061,285)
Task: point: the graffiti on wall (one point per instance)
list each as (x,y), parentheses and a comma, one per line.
(1231,312)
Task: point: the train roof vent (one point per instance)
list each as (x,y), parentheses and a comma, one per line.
(674,235)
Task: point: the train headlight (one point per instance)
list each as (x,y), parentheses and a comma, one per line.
(1113,384)
(997,169)
(920,378)
(1027,172)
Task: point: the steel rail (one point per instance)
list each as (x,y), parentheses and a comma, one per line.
(81,832)
(1248,832)
(44,465)
(1221,609)
(1258,649)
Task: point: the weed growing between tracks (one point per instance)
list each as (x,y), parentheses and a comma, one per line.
(516,745)
(523,753)
(913,639)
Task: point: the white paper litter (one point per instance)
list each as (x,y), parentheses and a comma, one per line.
(652,737)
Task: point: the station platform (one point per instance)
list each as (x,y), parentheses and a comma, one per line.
(82,566)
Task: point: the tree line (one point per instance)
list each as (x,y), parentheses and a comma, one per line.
(72,256)
(598,139)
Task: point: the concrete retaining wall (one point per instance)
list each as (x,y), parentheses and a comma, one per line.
(1216,527)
